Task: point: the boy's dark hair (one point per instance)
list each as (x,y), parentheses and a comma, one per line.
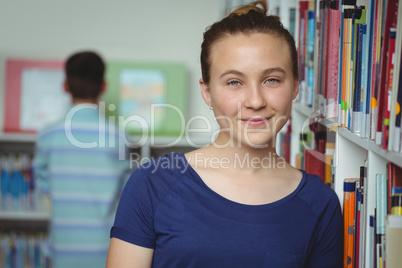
(84,74)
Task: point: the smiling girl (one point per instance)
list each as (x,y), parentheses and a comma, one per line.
(201,213)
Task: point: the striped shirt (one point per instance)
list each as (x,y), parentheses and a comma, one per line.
(77,162)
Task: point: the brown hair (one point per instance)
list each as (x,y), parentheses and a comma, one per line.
(246,19)
(84,73)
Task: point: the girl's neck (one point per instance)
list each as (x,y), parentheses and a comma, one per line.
(245,157)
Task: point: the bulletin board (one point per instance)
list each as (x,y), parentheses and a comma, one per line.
(150,97)
(34,95)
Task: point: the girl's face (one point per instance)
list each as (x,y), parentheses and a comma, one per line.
(251,88)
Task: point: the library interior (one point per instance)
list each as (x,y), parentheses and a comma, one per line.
(58,204)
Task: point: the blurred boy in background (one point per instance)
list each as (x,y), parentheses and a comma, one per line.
(77,163)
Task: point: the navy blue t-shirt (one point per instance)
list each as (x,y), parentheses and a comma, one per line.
(166,206)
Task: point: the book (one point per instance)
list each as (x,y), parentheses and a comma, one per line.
(317,54)
(324,57)
(329,156)
(394,241)
(19,249)
(355,13)
(349,187)
(371,241)
(396,204)
(320,28)
(314,163)
(292,21)
(396,97)
(332,75)
(381,208)
(310,54)
(344,5)
(303,7)
(396,118)
(356,126)
(390,22)
(358,208)
(354,114)
(285,142)
(388,89)
(363,226)
(396,190)
(394,174)
(375,73)
(367,62)
(346,64)
(305,142)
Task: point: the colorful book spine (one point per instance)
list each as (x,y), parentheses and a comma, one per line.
(367,61)
(396,97)
(371,241)
(396,112)
(17,185)
(329,156)
(390,22)
(396,204)
(346,64)
(356,252)
(388,89)
(376,54)
(310,55)
(324,59)
(303,6)
(357,91)
(393,242)
(381,205)
(23,250)
(334,18)
(363,216)
(394,174)
(349,186)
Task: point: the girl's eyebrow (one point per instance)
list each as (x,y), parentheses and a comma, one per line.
(273,70)
(231,72)
(264,72)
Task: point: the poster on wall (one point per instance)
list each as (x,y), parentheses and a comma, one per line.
(34,95)
(139,90)
(147,98)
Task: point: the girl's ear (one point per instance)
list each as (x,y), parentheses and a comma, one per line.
(206,95)
(295,89)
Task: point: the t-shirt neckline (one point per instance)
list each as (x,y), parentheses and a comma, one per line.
(190,170)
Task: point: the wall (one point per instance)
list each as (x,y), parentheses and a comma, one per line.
(139,30)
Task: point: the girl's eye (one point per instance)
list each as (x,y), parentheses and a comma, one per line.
(234,83)
(272,80)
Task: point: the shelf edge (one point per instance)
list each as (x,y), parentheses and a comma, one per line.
(25,215)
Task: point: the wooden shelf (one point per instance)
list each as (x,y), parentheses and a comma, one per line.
(17,137)
(356,139)
(365,144)
(25,215)
(370,145)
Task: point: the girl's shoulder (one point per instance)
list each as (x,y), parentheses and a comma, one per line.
(157,176)
(317,194)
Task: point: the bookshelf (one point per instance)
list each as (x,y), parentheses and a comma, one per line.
(16,143)
(29,225)
(350,153)
(359,141)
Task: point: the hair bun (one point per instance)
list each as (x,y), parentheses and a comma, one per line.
(242,10)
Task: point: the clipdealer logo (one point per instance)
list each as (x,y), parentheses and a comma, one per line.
(111,127)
